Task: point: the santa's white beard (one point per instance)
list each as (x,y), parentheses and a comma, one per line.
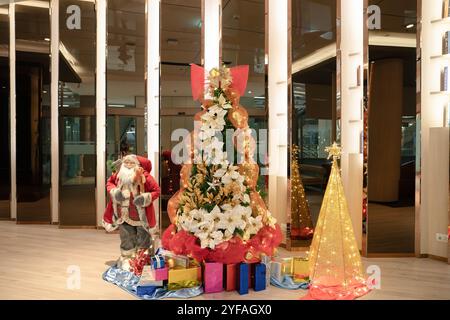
(126,176)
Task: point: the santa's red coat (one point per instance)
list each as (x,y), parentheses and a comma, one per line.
(150,186)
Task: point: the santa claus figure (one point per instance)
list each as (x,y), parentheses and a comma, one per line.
(132,191)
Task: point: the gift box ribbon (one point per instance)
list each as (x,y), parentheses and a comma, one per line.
(183,284)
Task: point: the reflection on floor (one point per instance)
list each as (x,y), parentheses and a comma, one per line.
(37,257)
(390,230)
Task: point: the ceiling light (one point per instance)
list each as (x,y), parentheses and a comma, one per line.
(47,39)
(409,26)
(250,92)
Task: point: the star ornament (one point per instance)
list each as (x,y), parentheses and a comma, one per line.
(334,151)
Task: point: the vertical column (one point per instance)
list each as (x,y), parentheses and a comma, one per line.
(12,106)
(101,12)
(54,134)
(278,83)
(351,52)
(212,33)
(153,8)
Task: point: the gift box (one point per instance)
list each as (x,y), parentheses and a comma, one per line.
(275,270)
(157,262)
(230,275)
(178,275)
(160,274)
(301,268)
(259,277)
(266,260)
(145,290)
(213,277)
(243,278)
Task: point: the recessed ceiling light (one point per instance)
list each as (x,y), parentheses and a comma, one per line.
(47,39)
(409,26)
(250,92)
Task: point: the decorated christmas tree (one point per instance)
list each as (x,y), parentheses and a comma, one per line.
(301,223)
(218,215)
(336,270)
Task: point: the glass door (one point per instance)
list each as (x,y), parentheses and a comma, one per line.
(77,114)
(5,162)
(33,112)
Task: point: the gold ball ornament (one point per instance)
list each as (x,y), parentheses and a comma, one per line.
(248,256)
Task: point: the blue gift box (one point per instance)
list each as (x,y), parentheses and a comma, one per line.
(260,277)
(158,262)
(145,290)
(243,278)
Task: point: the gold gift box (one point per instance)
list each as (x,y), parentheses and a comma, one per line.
(179,274)
(301,268)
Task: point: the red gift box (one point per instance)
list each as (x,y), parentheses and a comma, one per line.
(161,274)
(230,276)
(213,277)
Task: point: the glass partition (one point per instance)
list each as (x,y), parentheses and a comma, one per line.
(5,162)
(314,112)
(77,127)
(180,46)
(33,111)
(244,43)
(125,79)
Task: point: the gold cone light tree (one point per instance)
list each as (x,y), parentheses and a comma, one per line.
(336,270)
(302,227)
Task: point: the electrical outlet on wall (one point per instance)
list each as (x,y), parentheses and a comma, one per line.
(441,237)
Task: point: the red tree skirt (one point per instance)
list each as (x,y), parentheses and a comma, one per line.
(352,292)
(232,251)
